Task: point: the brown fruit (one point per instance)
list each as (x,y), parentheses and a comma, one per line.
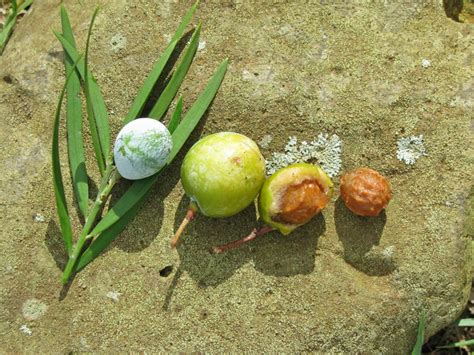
(365,191)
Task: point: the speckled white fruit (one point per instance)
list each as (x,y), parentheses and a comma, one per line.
(142,148)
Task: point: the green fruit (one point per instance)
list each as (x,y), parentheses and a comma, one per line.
(223,173)
(294,195)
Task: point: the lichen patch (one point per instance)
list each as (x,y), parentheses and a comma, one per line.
(323,150)
(410,149)
(33,309)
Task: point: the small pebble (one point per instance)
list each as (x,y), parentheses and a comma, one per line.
(113,295)
(201,45)
(425,63)
(25,330)
(265,141)
(118,42)
(39,218)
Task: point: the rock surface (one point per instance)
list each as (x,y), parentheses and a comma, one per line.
(341,283)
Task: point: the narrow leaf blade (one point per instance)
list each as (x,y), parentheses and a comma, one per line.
(172,88)
(8,27)
(24,5)
(97,129)
(74,125)
(98,103)
(195,113)
(459,344)
(185,22)
(145,91)
(60,196)
(141,187)
(176,118)
(466,322)
(420,338)
(147,87)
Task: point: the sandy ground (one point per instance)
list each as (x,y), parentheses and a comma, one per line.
(341,283)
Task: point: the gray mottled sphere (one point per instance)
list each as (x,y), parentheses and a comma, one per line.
(142,148)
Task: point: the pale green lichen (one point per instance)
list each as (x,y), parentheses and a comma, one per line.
(410,149)
(265,141)
(323,150)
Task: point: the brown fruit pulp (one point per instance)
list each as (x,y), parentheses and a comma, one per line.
(301,202)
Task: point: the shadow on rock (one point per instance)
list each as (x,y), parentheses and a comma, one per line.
(360,238)
(55,244)
(453,8)
(203,233)
(150,217)
(146,225)
(294,254)
(165,75)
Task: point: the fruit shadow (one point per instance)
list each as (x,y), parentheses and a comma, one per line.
(273,253)
(294,254)
(201,235)
(360,237)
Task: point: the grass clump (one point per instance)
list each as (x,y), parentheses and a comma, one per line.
(101,228)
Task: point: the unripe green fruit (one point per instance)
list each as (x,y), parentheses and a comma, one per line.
(223,173)
(294,195)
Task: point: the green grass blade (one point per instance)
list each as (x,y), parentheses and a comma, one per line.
(176,118)
(60,197)
(198,109)
(147,87)
(185,22)
(141,187)
(145,91)
(467,322)
(420,338)
(15,6)
(459,344)
(172,88)
(74,125)
(98,128)
(98,103)
(8,27)
(24,5)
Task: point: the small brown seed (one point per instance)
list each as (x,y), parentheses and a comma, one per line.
(365,192)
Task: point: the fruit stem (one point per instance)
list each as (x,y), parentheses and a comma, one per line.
(190,214)
(254,234)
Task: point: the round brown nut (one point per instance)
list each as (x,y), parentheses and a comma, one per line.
(365,192)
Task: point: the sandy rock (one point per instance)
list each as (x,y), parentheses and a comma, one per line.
(338,284)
